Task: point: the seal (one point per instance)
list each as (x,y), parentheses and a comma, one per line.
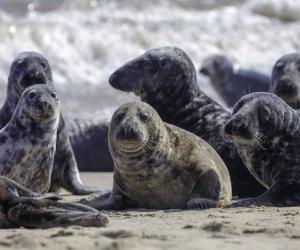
(28,141)
(286,79)
(230,81)
(27,69)
(19,207)
(160,166)
(166,79)
(266,132)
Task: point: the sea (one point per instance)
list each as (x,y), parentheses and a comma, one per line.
(86,40)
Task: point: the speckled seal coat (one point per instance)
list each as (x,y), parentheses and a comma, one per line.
(31,68)
(230,81)
(266,132)
(286,79)
(20,207)
(160,166)
(166,79)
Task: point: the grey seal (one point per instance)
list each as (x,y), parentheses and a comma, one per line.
(28,141)
(286,79)
(232,82)
(27,69)
(266,132)
(20,207)
(161,166)
(166,79)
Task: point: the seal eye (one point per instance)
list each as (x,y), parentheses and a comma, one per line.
(279,66)
(44,65)
(31,95)
(20,63)
(119,117)
(143,117)
(53,95)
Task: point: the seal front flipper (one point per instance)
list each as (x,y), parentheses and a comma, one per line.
(113,202)
(33,213)
(201,203)
(65,171)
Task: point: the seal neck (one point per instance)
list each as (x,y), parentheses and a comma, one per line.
(179,101)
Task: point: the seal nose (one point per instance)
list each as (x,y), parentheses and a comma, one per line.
(127,132)
(237,126)
(114,79)
(32,77)
(286,87)
(45,106)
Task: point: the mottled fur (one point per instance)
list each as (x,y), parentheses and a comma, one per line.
(19,207)
(267,134)
(166,79)
(160,166)
(286,79)
(31,68)
(231,82)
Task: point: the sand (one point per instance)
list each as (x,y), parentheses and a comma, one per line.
(238,228)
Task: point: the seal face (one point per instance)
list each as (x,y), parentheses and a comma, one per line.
(28,141)
(160,166)
(286,79)
(230,81)
(266,133)
(30,68)
(166,79)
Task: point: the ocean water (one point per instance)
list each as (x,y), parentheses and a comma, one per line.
(86,40)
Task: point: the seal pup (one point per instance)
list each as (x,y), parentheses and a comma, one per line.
(19,207)
(160,166)
(286,79)
(166,79)
(27,69)
(266,132)
(230,81)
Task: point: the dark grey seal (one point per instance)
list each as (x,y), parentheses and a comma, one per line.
(161,166)
(166,79)
(20,207)
(27,69)
(231,82)
(286,79)
(266,132)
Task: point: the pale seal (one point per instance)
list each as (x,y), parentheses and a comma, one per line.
(19,207)
(230,81)
(266,132)
(160,166)
(286,79)
(27,69)
(28,141)
(166,79)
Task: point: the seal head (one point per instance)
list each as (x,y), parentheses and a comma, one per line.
(286,79)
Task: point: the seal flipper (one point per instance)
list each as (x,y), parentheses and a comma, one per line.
(284,193)
(113,202)
(65,171)
(32,213)
(201,203)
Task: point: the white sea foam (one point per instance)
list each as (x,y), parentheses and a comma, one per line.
(86,40)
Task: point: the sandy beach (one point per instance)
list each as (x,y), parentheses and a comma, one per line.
(242,228)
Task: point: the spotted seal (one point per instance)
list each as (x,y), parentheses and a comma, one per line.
(286,79)
(28,140)
(19,207)
(31,68)
(266,132)
(160,166)
(166,79)
(230,81)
